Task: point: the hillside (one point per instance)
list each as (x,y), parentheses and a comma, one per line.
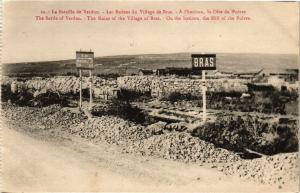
(131,63)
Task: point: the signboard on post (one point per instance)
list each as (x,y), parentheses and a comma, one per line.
(204,62)
(85,60)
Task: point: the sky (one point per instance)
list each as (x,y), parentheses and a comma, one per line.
(273,28)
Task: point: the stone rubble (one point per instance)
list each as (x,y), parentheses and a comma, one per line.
(110,129)
(181,146)
(49,117)
(280,169)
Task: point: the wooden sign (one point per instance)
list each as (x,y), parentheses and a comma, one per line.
(84,60)
(204,61)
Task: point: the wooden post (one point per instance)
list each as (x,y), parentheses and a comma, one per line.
(91,91)
(80,89)
(204,96)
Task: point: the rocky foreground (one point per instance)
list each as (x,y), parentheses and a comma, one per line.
(281,169)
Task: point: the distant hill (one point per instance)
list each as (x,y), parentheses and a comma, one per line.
(131,63)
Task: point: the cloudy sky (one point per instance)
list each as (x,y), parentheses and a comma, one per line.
(274,28)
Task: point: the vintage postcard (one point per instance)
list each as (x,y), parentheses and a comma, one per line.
(149,96)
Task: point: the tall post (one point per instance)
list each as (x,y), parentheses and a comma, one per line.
(204,96)
(80,89)
(91,91)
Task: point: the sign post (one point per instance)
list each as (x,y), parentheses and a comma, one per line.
(204,62)
(80,89)
(203,96)
(91,89)
(85,61)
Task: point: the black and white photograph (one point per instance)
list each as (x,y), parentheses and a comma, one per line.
(149,96)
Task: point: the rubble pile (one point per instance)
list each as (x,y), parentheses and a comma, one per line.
(141,84)
(118,108)
(110,129)
(156,128)
(238,133)
(159,139)
(181,146)
(113,130)
(50,117)
(181,126)
(104,87)
(278,169)
(151,140)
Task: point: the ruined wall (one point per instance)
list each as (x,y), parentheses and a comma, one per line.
(194,86)
(63,85)
(160,86)
(157,86)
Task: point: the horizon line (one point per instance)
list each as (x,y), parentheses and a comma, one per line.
(66,59)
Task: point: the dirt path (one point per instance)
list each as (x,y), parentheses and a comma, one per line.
(72,164)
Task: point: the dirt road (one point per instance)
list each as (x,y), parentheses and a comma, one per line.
(72,164)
